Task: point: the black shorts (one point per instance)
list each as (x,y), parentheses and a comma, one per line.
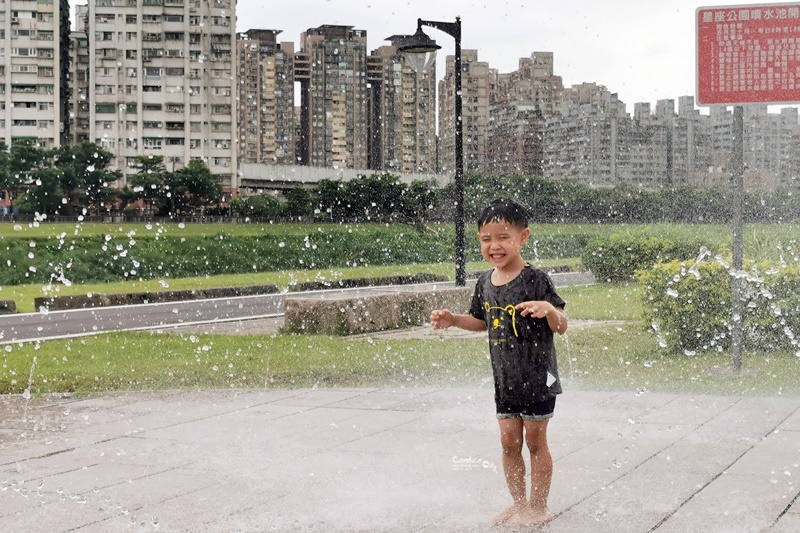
(526,410)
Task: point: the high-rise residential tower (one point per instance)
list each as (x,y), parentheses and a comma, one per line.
(163,82)
(34,70)
(266,98)
(475,83)
(520,101)
(332,70)
(402,114)
(79,77)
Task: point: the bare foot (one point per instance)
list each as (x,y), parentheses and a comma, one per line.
(505,515)
(527,516)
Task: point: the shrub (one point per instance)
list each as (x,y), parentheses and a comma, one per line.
(689,306)
(617,257)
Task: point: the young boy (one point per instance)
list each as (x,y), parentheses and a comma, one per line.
(520,308)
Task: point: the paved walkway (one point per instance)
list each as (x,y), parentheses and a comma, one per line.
(391,460)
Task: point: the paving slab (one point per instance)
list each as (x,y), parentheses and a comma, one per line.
(391,460)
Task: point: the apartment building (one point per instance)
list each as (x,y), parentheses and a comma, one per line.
(581,141)
(402,127)
(79,77)
(770,142)
(266,98)
(692,156)
(163,82)
(475,83)
(518,104)
(331,68)
(34,69)
(643,146)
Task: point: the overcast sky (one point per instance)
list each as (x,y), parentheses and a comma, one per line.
(644,50)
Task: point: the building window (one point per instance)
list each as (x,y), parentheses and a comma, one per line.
(151,143)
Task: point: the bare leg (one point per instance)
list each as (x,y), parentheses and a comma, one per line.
(513,466)
(541,473)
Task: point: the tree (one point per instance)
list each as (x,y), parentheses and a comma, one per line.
(86,167)
(419,200)
(298,203)
(263,205)
(148,182)
(47,190)
(377,197)
(329,197)
(24,157)
(193,187)
(6,181)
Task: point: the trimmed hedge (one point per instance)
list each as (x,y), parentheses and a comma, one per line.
(689,306)
(104,259)
(69,259)
(618,256)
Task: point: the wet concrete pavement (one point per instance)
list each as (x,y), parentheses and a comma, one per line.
(391,460)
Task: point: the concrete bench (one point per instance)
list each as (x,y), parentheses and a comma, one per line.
(342,314)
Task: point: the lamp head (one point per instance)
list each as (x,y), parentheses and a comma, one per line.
(419,50)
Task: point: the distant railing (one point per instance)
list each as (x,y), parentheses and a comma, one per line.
(197,219)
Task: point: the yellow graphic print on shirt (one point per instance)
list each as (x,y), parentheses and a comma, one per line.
(510,309)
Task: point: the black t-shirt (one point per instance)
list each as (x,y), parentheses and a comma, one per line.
(521,347)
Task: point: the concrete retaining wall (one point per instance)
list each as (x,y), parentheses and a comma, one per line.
(343,315)
(350,283)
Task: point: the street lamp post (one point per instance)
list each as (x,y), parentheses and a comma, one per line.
(420,43)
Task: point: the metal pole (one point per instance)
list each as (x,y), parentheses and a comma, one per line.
(737,167)
(459,166)
(454,30)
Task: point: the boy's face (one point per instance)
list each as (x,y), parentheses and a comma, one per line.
(501,244)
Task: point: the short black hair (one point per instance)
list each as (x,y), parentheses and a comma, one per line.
(505,210)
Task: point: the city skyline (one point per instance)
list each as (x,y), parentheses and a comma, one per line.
(644,52)
(154,72)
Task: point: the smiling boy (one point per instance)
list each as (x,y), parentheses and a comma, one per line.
(519,307)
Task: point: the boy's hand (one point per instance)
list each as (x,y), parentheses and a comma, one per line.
(555,316)
(442,319)
(537,309)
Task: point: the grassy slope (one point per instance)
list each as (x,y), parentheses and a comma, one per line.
(621,356)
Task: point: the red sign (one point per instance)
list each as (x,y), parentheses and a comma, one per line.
(748,54)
